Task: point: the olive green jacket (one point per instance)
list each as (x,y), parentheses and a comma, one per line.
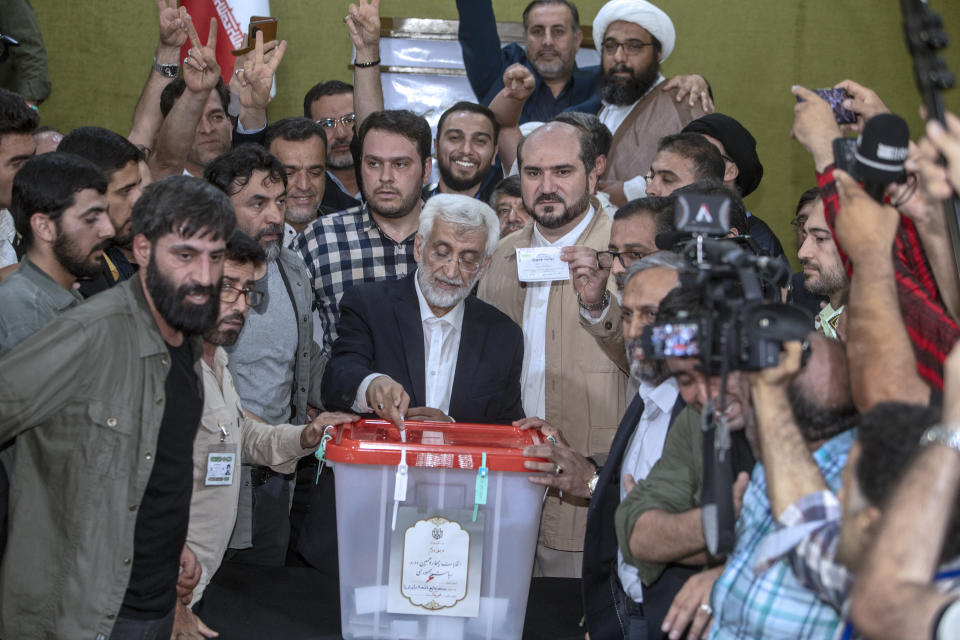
(84,398)
(673,485)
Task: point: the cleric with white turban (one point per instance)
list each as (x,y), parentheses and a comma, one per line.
(639,12)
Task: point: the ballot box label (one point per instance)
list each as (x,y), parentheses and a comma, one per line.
(435,563)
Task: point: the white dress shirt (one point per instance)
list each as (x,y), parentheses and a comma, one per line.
(643,451)
(441,345)
(533,380)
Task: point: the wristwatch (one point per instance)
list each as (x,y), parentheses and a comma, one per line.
(939,434)
(592,482)
(597,306)
(167,70)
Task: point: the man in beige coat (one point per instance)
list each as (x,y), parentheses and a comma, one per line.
(567,379)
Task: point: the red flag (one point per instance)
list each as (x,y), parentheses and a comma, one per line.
(233,17)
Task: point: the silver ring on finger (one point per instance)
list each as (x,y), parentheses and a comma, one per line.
(559,469)
(380,406)
(237,72)
(706,608)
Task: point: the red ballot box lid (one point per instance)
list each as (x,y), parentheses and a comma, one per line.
(443,445)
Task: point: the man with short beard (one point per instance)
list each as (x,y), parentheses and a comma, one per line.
(634,37)
(557,171)
(423,346)
(823,270)
(374,242)
(300,145)
(466,149)
(330,105)
(60,211)
(120,161)
(618,612)
(104,403)
(553,36)
(276,365)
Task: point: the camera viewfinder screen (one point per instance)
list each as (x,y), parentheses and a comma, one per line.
(678,340)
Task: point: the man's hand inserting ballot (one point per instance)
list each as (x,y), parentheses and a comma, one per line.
(387,399)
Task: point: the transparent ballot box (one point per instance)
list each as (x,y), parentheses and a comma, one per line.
(436,533)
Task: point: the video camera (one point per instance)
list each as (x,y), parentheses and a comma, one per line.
(745,324)
(742,327)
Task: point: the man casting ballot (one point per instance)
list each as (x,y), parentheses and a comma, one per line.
(422,347)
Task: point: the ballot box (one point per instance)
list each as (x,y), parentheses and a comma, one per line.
(436,533)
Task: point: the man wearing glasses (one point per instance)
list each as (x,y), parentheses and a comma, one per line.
(226,435)
(634,37)
(424,347)
(330,104)
(633,236)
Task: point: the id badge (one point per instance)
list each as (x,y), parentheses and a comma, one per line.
(221,465)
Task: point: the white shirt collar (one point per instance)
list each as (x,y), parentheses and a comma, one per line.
(569,239)
(664,395)
(454,317)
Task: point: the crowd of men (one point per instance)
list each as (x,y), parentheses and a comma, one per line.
(185,309)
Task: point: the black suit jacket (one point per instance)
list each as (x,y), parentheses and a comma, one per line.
(380,330)
(600,584)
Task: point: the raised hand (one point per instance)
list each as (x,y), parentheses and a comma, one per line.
(200,68)
(363,22)
(255,76)
(518,82)
(863,101)
(173,25)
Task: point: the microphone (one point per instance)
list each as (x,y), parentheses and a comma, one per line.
(880,153)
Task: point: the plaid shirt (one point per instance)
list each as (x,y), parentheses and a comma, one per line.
(773,604)
(815,520)
(932,331)
(807,539)
(342,250)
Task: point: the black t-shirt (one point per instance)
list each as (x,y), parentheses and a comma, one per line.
(161,527)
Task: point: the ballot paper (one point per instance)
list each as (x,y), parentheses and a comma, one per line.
(541,264)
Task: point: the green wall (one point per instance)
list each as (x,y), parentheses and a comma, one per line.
(751,51)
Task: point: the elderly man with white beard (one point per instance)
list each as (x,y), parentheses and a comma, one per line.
(423,347)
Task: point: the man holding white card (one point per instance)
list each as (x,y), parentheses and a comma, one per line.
(566,378)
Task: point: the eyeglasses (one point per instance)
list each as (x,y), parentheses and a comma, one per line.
(229,293)
(626,258)
(330,123)
(630,47)
(467,265)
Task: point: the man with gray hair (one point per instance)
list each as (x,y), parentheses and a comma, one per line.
(424,341)
(613,594)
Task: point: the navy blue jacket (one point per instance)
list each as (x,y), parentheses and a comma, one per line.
(485,62)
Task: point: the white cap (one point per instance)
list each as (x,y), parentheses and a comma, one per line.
(639,12)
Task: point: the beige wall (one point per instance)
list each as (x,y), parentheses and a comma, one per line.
(751,51)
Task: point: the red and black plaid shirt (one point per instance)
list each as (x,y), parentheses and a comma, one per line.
(932,331)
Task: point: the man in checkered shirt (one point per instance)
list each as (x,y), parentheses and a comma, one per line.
(373,242)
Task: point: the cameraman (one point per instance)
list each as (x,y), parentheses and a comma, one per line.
(884,366)
(660,520)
